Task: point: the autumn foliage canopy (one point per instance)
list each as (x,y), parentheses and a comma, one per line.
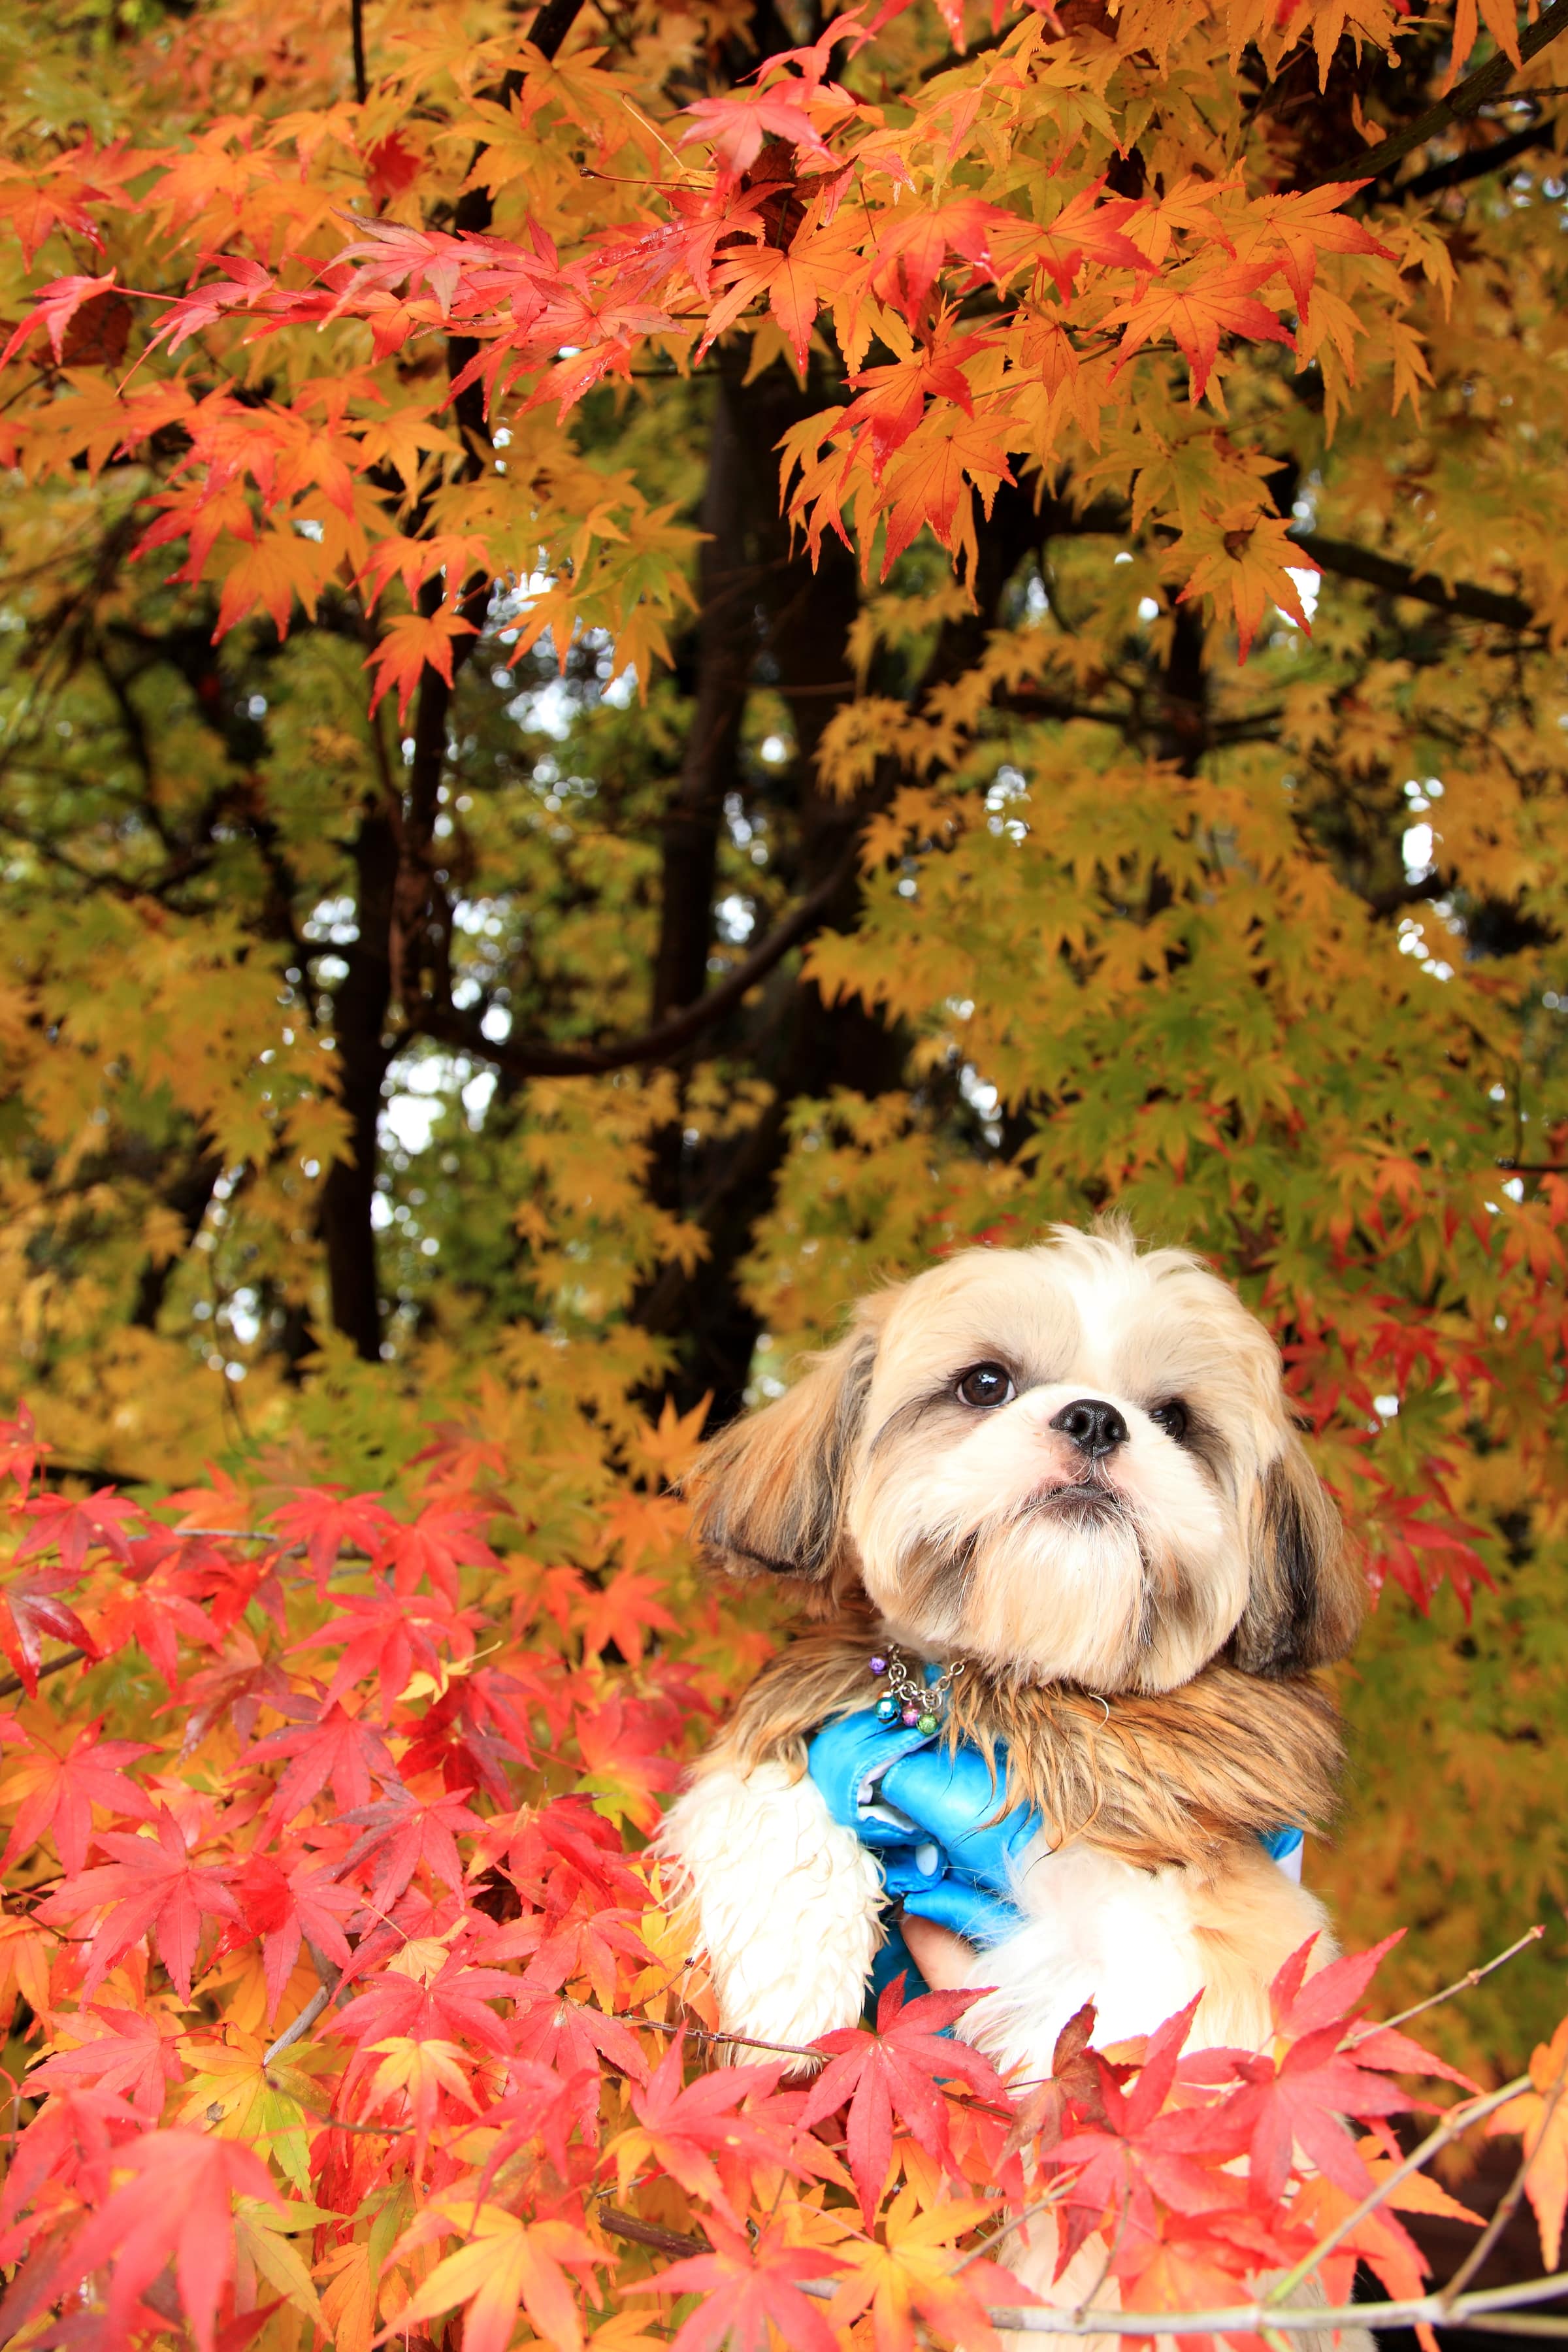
(654,661)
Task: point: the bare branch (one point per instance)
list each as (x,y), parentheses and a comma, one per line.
(1253,2318)
(1487,82)
(666,1039)
(1385,572)
(1473,1976)
(1477,163)
(13,1683)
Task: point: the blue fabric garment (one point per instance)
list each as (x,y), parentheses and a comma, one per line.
(935,1822)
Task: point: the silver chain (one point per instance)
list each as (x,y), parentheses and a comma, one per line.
(917,1701)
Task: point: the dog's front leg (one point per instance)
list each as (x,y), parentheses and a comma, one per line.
(787,1900)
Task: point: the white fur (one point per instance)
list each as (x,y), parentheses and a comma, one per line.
(787,1901)
(1097,1929)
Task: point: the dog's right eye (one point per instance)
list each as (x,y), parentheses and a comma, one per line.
(985,1384)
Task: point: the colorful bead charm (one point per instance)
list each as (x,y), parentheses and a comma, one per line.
(918,1702)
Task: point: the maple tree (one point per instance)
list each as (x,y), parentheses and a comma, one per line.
(655,662)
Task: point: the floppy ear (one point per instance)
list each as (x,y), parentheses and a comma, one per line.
(1307,1594)
(768,1492)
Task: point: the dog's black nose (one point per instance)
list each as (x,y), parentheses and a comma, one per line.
(1092,1424)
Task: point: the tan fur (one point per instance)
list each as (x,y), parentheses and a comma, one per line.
(1187,1777)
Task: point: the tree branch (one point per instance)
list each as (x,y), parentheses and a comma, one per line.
(666,1039)
(1476,164)
(356,34)
(1253,2318)
(1385,572)
(1487,82)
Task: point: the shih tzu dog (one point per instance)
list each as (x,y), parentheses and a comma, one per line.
(1067,1478)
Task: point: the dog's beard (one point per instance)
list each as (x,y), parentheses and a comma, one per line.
(1080,1581)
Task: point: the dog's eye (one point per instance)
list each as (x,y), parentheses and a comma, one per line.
(985,1384)
(1172,1417)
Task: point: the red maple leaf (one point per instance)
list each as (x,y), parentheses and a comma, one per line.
(409,1830)
(567,2034)
(58,1793)
(1195,304)
(175,2208)
(896,2070)
(738,125)
(455,2006)
(97,1522)
(151,1886)
(1141,2158)
(283,1907)
(327,1522)
(470,1734)
(154,1610)
(389,1634)
(127,2050)
(439,1542)
(21,1448)
(1301,2098)
(31,1611)
(749,2288)
(340,1749)
(687,2125)
(627,1608)
(891,400)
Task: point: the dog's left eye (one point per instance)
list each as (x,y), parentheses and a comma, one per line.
(1171,1417)
(985,1384)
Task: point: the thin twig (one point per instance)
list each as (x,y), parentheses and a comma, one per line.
(1509,2205)
(334,2123)
(702,2032)
(647,2234)
(1252,2318)
(300,2027)
(1461,1984)
(13,1683)
(988,2246)
(329,1979)
(1457,2120)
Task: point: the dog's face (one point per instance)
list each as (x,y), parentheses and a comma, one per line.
(1072,1463)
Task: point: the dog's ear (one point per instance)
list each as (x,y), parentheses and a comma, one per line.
(1308,1593)
(769,1491)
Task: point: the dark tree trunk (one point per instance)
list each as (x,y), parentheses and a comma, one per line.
(188,1196)
(360,1007)
(768,616)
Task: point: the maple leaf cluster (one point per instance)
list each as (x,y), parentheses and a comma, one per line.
(349,1995)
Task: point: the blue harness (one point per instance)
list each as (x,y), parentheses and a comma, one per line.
(932,1820)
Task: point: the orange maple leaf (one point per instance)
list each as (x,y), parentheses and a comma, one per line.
(935,471)
(1194,305)
(1540,2113)
(1250,557)
(413,639)
(893,399)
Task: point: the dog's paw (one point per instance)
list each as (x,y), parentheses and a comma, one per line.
(786,1902)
